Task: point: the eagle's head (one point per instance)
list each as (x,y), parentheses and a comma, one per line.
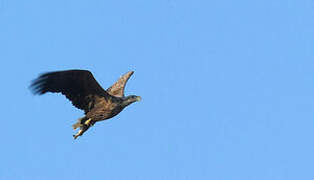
(130,99)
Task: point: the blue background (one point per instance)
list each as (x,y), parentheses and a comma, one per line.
(227,89)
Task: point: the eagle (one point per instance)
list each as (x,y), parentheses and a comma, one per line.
(85,93)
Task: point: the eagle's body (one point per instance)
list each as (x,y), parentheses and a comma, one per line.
(82,89)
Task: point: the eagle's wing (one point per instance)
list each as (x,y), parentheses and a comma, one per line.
(79,86)
(117,89)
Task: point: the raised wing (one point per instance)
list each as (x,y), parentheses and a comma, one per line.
(117,89)
(79,86)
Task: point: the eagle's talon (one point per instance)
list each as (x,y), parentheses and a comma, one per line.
(88,122)
(80,133)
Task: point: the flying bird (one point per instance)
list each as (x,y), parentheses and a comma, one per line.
(82,89)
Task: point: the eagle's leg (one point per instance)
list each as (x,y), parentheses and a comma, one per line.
(88,122)
(81,122)
(83,125)
(78,134)
(83,128)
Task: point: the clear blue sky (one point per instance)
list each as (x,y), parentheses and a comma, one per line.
(227,89)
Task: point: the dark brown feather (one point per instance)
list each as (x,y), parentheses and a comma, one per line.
(117,89)
(79,86)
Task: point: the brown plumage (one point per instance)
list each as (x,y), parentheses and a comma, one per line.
(81,88)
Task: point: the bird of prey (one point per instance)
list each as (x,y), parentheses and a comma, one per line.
(80,87)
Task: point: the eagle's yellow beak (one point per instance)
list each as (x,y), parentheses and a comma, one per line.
(138,98)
